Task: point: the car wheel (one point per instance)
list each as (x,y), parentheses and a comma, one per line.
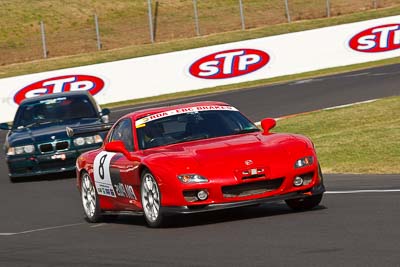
(90,199)
(151,200)
(306,203)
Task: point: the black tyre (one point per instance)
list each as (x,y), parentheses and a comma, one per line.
(90,200)
(151,200)
(306,203)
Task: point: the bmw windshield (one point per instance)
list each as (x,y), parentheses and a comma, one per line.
(53,110)
(184,125)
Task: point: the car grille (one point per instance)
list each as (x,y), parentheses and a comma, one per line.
(253,188)
(46,148)
(62,145)
(56,146)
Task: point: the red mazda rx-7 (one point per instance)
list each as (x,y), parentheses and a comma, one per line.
(192,158)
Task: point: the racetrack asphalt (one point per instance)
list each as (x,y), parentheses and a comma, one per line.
(357,223)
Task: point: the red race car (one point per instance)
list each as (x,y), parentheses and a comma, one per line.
(192,158)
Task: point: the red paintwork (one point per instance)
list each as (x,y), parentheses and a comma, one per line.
(221,160)
(267,124)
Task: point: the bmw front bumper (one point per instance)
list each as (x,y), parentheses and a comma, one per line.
(34,165)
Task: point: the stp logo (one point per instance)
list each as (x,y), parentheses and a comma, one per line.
(377,39)
(229,63)
(60,84)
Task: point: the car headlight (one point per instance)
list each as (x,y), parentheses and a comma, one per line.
(303,162)
(192,178)
(19,150)
(80,141)
(88,140)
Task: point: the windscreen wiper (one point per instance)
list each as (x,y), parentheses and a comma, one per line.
(251,130)
(41,122)
(188,138)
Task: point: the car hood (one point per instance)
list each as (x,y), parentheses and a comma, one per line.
(44,133)
(234,153)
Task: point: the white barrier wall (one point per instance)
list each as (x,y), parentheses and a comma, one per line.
(213,66)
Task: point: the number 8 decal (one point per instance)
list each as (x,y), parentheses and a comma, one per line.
(102,178)
(101,166)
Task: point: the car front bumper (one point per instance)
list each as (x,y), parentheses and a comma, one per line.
(316,190)
(42,164)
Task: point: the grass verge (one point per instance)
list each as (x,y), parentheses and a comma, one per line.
(358,139)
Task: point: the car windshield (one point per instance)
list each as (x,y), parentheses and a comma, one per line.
(168,128)
(54,110)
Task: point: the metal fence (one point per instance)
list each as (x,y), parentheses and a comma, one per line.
(192,18)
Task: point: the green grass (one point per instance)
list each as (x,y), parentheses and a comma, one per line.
(363,138)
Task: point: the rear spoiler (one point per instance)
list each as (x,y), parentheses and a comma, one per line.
(82,130)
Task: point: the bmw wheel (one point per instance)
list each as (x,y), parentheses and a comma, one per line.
(90,200)
(151,200)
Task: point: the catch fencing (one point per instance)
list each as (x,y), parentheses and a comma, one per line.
(152,21)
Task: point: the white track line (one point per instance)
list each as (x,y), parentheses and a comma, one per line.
(42,229)
(97,225)
(305,81)
(363,191)
(352,104)
(382,74)
(357,74)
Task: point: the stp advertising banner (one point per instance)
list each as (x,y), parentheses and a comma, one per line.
(214,65)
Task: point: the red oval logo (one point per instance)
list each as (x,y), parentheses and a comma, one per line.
(229,64)
(60,84)
(377,39)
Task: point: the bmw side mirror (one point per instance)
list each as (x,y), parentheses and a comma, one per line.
(104,115)
(267,124)
(105,111)
(5,126)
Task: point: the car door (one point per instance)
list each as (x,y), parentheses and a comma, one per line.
(120,173)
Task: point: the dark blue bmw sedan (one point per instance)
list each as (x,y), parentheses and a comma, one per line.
(37,142)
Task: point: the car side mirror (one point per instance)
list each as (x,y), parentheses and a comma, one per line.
(105,111)
(119,147)
(267,124)
(5,126)
(104,115)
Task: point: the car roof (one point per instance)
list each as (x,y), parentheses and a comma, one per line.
(55,95)
(145,112)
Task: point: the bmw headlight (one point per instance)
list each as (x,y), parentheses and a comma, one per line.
(303,162)
(192,178)
(88,140)
(19,150)
(80,141)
